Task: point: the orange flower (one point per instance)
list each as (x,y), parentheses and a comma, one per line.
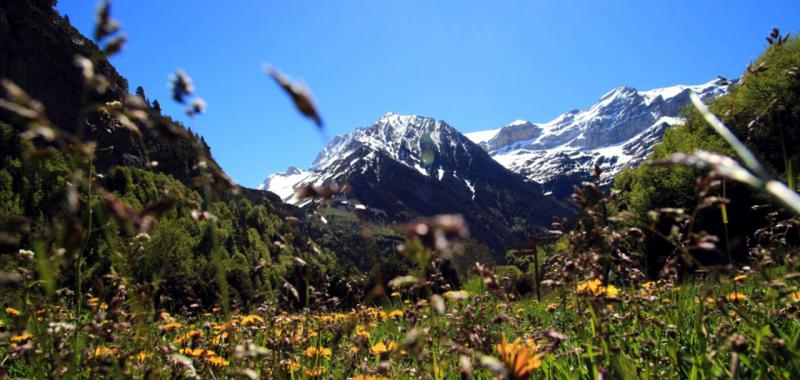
(520,359)
(736,297)
(13,312)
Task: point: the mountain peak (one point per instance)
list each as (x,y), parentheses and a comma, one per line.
(622,91)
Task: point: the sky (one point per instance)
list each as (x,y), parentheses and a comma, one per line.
(475,64)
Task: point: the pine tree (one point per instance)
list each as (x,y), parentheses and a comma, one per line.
(156,106)
(140,93)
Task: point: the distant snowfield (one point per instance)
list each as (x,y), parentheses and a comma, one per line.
(618,131)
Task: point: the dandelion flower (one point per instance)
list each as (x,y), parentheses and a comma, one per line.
(382,348)
(103,351)
(170,326)
(520,359)
(318,351)
(396,314)
(315,372)
(216,361)
(24,337)
(736,297)
(457,295)
(13,312)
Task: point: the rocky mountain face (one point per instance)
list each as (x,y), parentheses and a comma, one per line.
(619,131)
(405,166)
(38,54)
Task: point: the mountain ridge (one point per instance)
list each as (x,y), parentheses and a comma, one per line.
(405,166)
(618,131)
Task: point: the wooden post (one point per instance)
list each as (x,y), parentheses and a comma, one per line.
(536,271)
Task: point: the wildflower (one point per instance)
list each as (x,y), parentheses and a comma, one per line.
(611,291)
(26,254)
(457,295)
(103,351)
(219,338)
(369,377)
(380,348)
(251,320)
(736,297)
(520,359)
(590,286)
(142,357)
(552,307)
(595,287)
(92,302)
(362,332)
(13,312)
(170,326)
(649,285)
(396,314)
(317,351)
(188,336)
(292,365)
(395,294)
(795,296)
(216,361)
(315,372)
(193,352)
(24,337)
(740,277)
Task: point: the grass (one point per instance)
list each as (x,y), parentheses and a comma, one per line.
(651,330)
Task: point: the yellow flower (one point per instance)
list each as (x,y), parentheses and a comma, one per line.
(361,331)
(13,312)
(292,365)
(795,296)
(736,297)
(227,326)
(552,307)
(24,337)
(314,351)
(142,357)
(103,351)
(649,285)
(520,359)
(170,326)
(380,348)
(611,291)
(458,295)
(251,320)
(92,302)
(217,339)
(216,361)
(194,352)
(395,294)
(315,372)
(740,277)
(187,337)
(396,314)
(595,287)
(589,287)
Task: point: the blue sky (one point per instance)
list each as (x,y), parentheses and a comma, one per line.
(477,64)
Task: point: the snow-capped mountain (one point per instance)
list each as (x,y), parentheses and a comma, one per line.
(618,131)
(406,166)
